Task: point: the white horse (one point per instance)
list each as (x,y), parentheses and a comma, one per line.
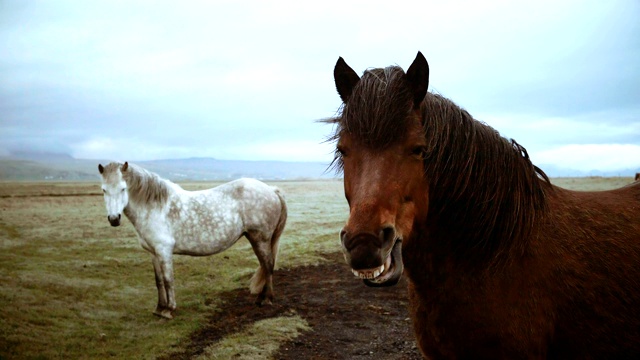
(170,220)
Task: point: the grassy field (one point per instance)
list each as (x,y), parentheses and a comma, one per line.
(73,287)
(594,183)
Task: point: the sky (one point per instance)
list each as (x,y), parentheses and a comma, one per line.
(248,80)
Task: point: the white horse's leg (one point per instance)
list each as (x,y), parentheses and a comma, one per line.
(262,280)
(162,293)
(265,245)
(165,262)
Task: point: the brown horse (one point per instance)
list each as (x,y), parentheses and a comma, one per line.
(637,176)
(501,264)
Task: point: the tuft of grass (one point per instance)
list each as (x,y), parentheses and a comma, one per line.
(260,341)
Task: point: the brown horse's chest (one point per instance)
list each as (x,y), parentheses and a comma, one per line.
(459,315)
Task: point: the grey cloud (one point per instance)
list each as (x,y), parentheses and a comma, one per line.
(75,71)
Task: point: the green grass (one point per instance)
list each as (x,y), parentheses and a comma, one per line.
(260,341)
(592,183)
(73,287)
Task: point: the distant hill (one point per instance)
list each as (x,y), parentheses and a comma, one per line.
(46,166)
(554,171)
(31,166)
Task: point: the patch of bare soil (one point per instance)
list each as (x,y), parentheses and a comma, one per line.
(349,320)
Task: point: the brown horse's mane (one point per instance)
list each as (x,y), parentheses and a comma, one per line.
(483,188)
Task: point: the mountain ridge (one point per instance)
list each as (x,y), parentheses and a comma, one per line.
(38,166)
(61,167)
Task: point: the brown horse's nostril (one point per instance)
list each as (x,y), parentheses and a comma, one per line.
(388,234)
(351,242)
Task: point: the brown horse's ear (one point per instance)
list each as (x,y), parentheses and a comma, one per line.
(345,79)
(125,166)
(418,77)
(100,168)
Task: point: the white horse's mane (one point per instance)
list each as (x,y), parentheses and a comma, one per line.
(144,186)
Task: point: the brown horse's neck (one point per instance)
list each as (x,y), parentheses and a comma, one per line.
(484,193)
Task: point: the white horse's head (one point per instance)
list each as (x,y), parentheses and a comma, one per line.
(114,188)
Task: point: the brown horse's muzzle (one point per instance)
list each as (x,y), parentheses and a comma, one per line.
(377,259)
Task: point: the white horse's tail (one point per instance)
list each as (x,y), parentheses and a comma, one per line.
(259,279)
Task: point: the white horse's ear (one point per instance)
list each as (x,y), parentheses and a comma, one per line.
(125,166)
(100,168)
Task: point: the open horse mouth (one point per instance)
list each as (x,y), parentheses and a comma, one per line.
(387,274)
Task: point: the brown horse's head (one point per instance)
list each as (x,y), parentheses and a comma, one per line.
(380,149)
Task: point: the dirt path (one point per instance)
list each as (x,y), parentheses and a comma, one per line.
(349,320)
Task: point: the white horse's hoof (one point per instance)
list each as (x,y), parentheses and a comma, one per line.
(166,314)
(264,301)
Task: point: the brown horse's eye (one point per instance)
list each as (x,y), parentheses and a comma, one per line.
(418,151)
(340,151)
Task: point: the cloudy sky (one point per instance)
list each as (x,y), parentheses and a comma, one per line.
(141,80)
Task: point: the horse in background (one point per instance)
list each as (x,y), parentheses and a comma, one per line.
(170,220)
(501,263)
(637,177)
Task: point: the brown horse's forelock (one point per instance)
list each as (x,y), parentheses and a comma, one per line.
(376,112)
(377,109)
(482,186)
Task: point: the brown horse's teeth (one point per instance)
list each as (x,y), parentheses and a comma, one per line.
(369,274)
